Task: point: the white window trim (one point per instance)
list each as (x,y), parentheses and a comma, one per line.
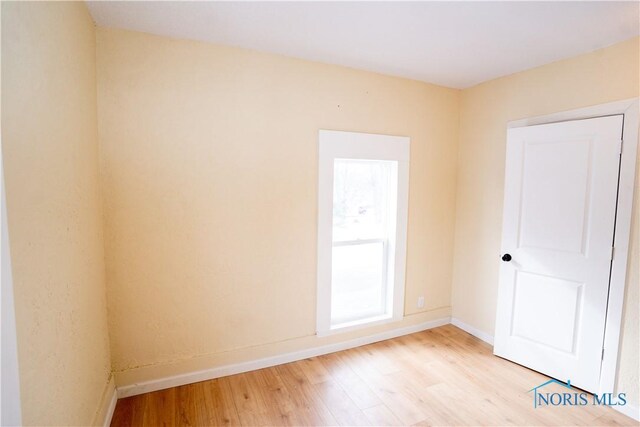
(351,145)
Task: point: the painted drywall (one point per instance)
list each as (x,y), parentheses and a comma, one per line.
(50,150)
(606,75)
(208,157)
(209,171)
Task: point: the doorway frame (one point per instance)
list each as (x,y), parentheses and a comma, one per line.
(624,212)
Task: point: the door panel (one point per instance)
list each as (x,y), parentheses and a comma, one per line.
(535,294)
(553,210)
(559,212)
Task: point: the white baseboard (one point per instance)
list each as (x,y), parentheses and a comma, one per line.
(473,331)
(107,404)
(111,408)
(629,410)
(237,368)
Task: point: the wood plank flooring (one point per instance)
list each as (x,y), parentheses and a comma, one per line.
(442,376)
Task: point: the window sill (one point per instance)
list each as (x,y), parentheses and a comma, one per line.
(359,324)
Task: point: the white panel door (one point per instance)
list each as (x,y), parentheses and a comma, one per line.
(559,211)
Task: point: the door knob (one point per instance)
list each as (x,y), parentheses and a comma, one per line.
(506,257)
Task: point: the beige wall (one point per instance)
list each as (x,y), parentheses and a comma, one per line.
(49,142)
(208,156)
(606,75)
(209,162)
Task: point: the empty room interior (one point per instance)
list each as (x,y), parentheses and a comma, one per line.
(320,213)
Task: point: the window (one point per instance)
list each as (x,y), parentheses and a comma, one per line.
(362,226)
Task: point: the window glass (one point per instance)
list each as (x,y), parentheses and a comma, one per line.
(357,282)
(361,216)
(360,198)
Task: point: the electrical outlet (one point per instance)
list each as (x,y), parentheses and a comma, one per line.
(421,302)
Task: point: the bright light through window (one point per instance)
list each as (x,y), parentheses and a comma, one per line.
(363,197)
(363,213)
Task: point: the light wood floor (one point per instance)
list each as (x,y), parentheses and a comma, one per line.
(442,376)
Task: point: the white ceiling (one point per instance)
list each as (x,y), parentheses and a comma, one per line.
(455,44)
